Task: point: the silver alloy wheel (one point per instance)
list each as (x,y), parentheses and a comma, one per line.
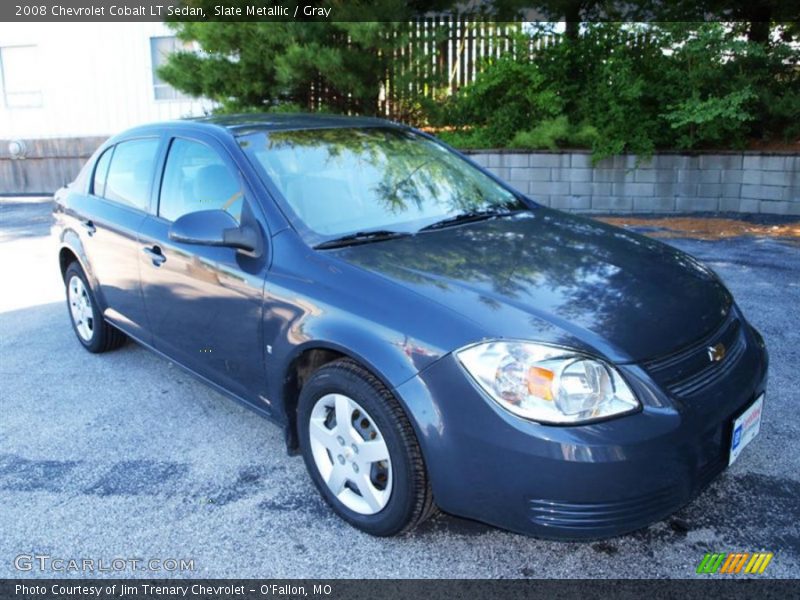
(350,454)
(80,307)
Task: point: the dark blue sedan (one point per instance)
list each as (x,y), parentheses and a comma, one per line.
(426,335)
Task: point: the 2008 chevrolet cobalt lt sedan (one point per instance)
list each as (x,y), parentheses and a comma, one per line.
(425,334)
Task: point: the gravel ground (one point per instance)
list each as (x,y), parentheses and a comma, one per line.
(124,456)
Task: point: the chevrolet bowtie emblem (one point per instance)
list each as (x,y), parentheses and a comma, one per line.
(716,353)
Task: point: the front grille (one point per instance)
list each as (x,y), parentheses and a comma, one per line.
(690,371)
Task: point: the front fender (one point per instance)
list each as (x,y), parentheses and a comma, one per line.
(315,301)
(389,355)
(391,361)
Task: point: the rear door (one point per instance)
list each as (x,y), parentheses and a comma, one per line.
(205,304)
(110,216)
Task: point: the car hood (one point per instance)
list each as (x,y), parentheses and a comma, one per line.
(550,276)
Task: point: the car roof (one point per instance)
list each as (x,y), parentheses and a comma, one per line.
(243,124)
(248,122)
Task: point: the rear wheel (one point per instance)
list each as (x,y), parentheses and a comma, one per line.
(91,329)
(361,451)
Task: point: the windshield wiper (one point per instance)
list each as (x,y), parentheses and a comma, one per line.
(468,217)
(362,237)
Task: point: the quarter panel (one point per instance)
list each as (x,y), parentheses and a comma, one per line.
(68,238)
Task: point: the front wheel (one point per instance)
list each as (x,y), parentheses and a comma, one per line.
(361,451)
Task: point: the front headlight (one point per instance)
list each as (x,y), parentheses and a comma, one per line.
(546,383)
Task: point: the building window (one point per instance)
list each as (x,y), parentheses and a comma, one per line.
(160,49)
(19,70)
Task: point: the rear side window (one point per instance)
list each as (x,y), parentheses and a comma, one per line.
(130,173)
(196,178)
(100,173)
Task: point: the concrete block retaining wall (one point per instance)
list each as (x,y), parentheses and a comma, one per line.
(667,183)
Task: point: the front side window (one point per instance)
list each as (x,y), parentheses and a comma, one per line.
(131,172)
(345,180)
(196,178)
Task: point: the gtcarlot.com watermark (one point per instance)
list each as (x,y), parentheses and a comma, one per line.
(54,564)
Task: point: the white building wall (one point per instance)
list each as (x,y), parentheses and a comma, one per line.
(96,79)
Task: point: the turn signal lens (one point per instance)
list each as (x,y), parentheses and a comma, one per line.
(540,382)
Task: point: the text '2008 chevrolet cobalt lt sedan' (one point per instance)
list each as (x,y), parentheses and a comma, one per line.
(426,335)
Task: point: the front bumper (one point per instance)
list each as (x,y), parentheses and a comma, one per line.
(575,482)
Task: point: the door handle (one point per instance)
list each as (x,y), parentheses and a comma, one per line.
(155,255)
(89,227)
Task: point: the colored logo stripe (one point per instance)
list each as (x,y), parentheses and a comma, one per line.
(759,562)
(710,563)
(734,562)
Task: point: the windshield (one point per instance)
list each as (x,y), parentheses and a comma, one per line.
(343,181)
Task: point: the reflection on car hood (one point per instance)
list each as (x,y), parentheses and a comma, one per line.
(622,294)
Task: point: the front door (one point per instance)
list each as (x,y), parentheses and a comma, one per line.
(204,304)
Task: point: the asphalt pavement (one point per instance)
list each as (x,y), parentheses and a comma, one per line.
(123,455)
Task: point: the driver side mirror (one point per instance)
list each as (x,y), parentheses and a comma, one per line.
(216,228)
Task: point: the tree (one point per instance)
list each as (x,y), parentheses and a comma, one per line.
(274,65)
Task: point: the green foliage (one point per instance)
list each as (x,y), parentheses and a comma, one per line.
(611,86)
(716,119)
(475,138)
(708,98)
(238,66)
(551,134)
(507,96)
(635,88)
(729,90)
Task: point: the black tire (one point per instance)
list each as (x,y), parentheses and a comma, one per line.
(411,499)
(104,337)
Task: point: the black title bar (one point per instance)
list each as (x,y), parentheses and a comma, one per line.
(385,10)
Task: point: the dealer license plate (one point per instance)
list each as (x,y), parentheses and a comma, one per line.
(745,428)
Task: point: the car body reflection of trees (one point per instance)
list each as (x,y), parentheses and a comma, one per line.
(580,273)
